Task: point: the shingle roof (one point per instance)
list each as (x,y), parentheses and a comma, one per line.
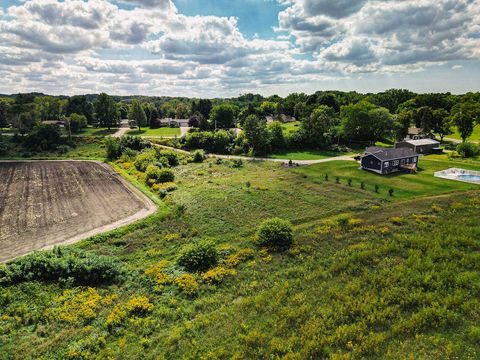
(390,153)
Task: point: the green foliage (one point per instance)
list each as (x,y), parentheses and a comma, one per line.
(62,264)
(467,149)
(223,115)
(277,138)
(217,142)
(43,138)
(170,155)
(166,175)
(137,114)
(256,133)
(198,156)
(4,145)
(199,256)
(77,122)
(106,112)
(116,146)
(275,232)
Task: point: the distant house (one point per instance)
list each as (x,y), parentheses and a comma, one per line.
(385,161)
(417,133)
(54,122)
(421,146)
(282,118)
(174,122)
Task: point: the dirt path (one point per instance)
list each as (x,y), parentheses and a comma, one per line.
(122,130)
(49,203)
(246,158)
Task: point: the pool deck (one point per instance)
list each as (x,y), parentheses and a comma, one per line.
(455,173)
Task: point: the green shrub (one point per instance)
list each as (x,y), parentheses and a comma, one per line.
(4,145)
(144,159)
(166,175)
(170,155)
(275,232)
(467,150)
(199,256)
(237,163)
(153,172)
(62,264)
(198,156)
(116,146)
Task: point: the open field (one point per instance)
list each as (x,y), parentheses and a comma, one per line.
(399,279)
(47,203)
(92,131)
(163,131)
(306,154)
(291,127)
(474,137)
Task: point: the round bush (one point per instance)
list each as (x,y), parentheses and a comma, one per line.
(153,172)
(467,150)
(198,156)
(199,256)
(166,175)
(275,233)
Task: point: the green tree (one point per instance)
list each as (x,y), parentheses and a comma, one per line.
(77,122)
(423,118)
(106,112)
(79,104)
(356,124)
(442,123)
(256,133)
(4,107)
(404,121)
(277,139)
(318,128)
(464,115)
(268,108)
(223,115)
(381,122)
(137,114)
(50,108)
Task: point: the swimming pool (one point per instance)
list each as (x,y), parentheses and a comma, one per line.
(469,176)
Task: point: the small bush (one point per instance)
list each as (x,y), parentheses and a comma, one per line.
(198,156)
(199,256)
(170,155)
(187,284)
(166,175)
(466,150)
(237,163)
(275,232)
(144,159)
(390,191)
(376,188)
(153,172)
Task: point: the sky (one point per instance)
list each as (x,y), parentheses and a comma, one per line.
(224,48)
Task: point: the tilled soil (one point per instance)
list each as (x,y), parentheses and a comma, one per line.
(46,203)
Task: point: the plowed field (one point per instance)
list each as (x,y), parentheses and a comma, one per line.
(45,203)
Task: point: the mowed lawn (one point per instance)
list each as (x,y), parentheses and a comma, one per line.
(474,137)
(92,131)
(306,154)
(404,185)
(163,131)
(291,127)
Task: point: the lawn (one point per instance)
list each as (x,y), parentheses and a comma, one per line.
(306,154)
(92,131)
(291,127)
(474,137)
(404,185)
(163,131)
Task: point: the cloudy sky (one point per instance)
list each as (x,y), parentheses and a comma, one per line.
(219,48)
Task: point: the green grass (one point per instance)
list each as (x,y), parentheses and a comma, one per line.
(91,131)
(291,127)
(163,131)
(400,280)
(405,185)
(305,154)
(474,137)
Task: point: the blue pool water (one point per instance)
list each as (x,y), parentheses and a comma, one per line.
(469,178)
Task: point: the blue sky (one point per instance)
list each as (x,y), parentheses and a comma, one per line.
(218,48)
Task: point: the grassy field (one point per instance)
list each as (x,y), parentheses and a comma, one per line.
(163,131)
(474,137)
(306,154)
(398,279)
(291,127)
(91,131)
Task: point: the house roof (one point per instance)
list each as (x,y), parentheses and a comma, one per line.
(415,131)
(422,142)
(390,153)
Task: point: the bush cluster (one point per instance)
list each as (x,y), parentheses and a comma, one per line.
(199,256)
(275,232)
(211,141)
(62,264)
(116,146)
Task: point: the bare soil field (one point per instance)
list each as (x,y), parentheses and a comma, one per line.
(48,203)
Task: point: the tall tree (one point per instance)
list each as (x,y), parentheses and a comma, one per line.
(79,104)
(137,114)
(464,115)
(423,118)
(204,107)
(404,121)
(442,123)
(256,133)
(106,111)
(356,124)
(50,108)
(277,139)
(318,128)
(4,106)
(223,115)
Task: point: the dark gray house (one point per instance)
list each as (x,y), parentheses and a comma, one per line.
(421,146)
(386,161)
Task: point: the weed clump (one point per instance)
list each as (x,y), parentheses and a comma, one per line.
(275,232)
(199,256)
